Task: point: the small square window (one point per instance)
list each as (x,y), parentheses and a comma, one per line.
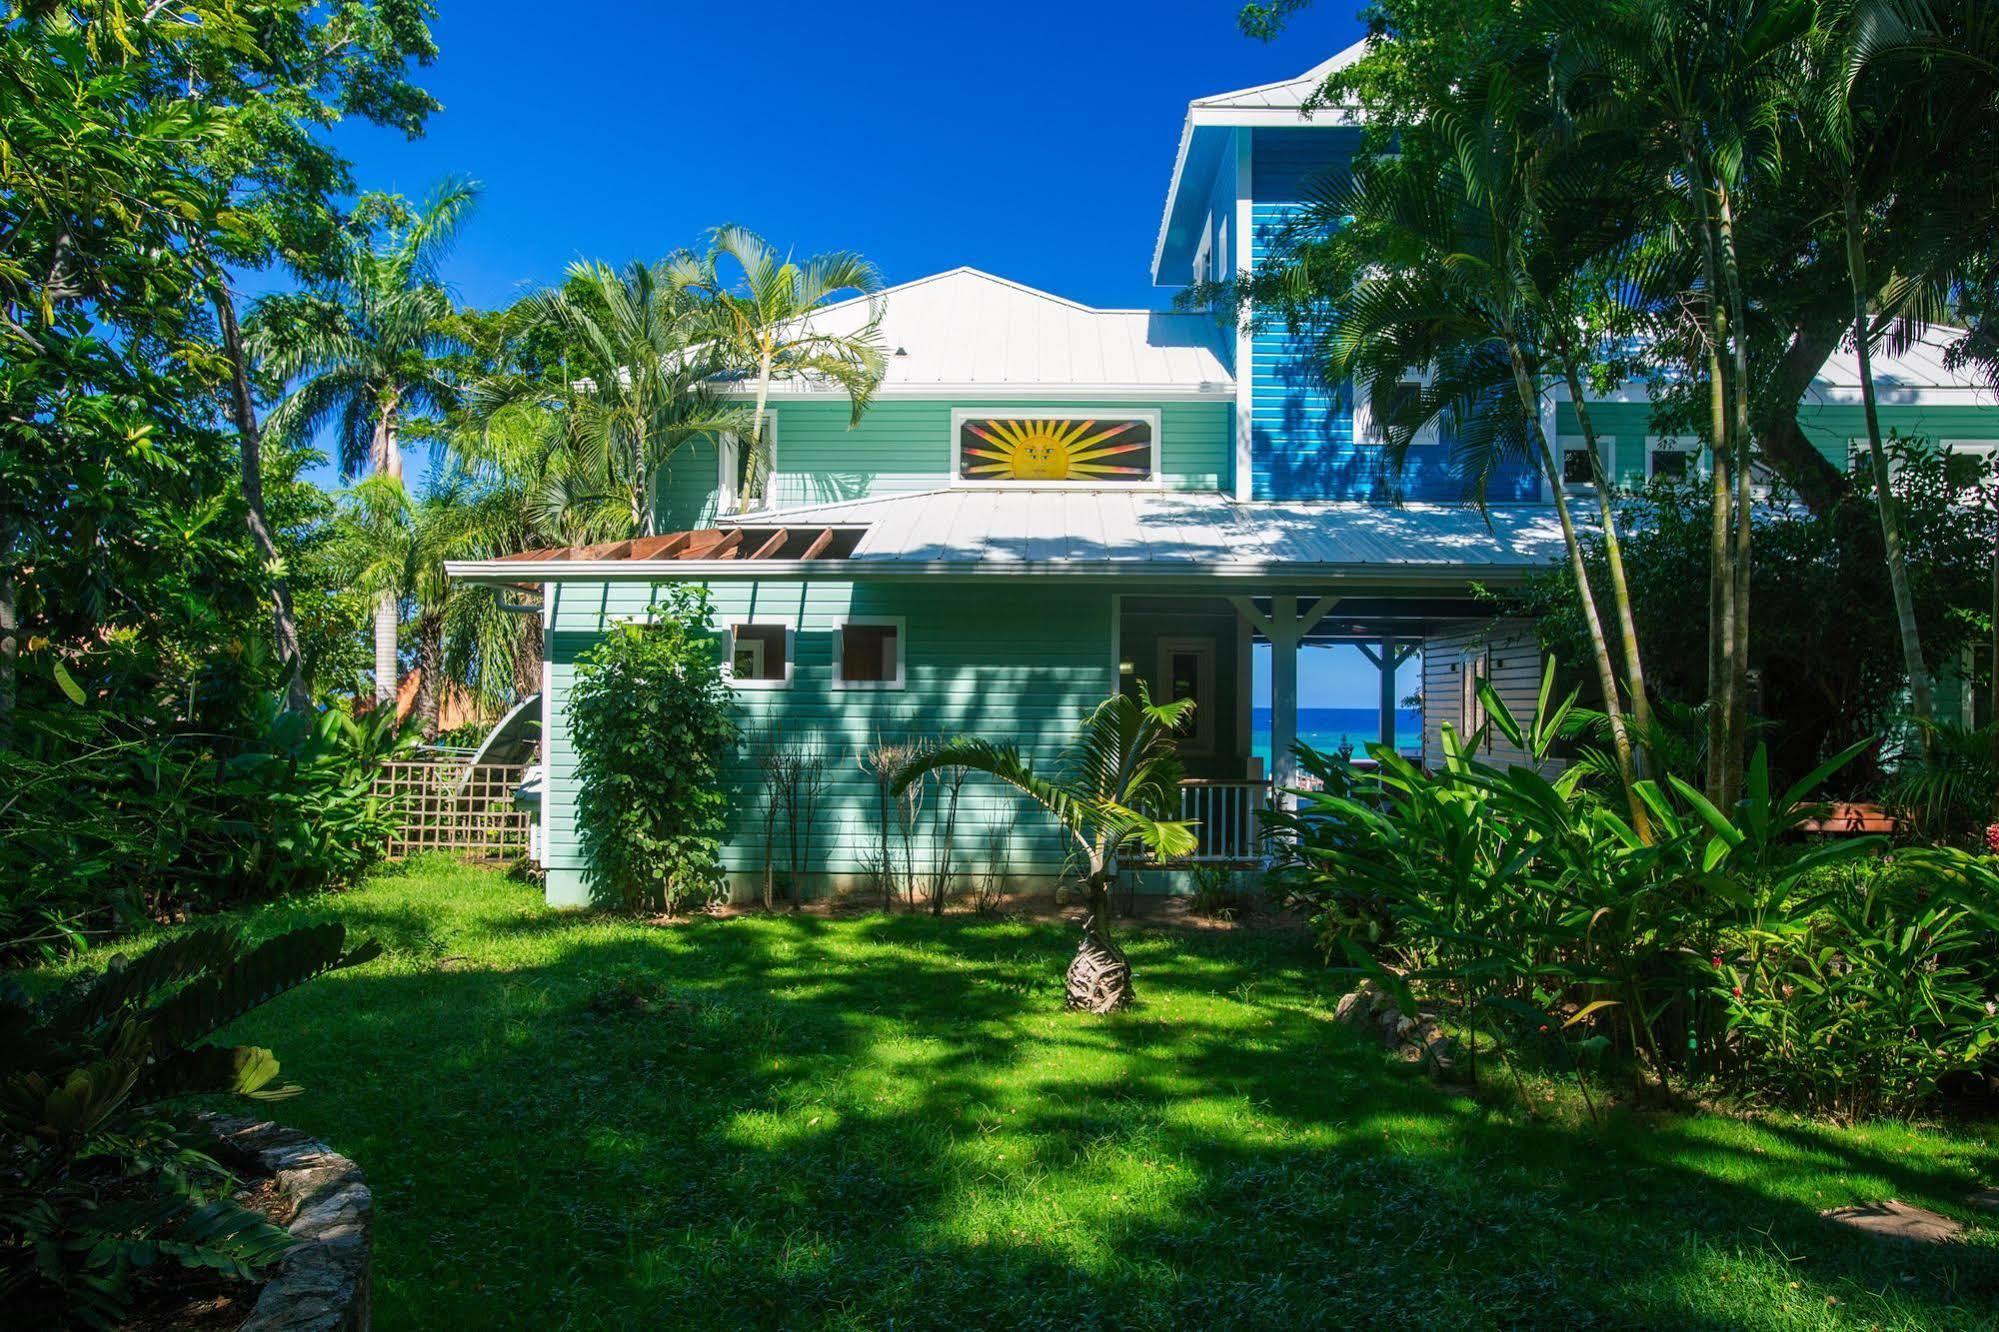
(1576,469)
(1674,463)
(758,655)
(869,655)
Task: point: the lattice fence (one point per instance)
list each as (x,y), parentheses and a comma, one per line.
(439,806)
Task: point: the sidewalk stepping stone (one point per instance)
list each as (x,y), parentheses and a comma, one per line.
(1897,1221)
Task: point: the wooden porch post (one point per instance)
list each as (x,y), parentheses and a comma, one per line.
(1285,628)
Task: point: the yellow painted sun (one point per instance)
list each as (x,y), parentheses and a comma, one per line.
(1037,449)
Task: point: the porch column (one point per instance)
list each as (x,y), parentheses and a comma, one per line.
(1285,627)
(1388,659)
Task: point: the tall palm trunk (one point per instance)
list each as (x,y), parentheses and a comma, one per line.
(1606,670)
(1613,553)
(430,673)
(251,450)
(9,643)
(388,461)
(1745,511)
(1921,701)
(758,460)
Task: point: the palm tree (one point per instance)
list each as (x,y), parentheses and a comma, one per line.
(761,328)
(1115,789)
(393,544)
(1432,264)
(367,345)
(1902,98)
(634,382)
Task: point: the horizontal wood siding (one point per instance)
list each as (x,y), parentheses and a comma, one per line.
(1023,663)
(1830,428)
(1302,439)
(1515,656)
(903,446)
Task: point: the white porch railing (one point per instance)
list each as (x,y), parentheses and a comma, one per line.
(1230,815)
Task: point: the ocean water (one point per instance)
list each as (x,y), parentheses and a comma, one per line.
(1325,728)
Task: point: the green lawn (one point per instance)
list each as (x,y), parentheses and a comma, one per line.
(889,1122)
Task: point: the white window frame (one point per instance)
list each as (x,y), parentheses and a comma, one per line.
(1687,444)
(1149,415)
(1223,269)
(729,654)
(901,627)
(1474,664)
(728,447)
(1203,252)
(1200,742)
(1367,433)
(1580,444)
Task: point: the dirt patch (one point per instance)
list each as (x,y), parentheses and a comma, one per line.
(201,1299)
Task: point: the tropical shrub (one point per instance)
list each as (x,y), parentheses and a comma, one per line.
(1526,907)
(106,822)
(102,1184)
(650,712)
(1828,680)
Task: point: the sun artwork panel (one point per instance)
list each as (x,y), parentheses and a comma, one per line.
(1028,449)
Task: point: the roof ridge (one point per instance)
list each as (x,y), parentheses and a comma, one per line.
(1337,60)
(970,270)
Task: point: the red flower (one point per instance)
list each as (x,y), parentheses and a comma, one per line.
(1738,992)
(1716,959)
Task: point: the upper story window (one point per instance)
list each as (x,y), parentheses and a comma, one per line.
(1576,469)
(1672,458)
(732,464)
(1057,448)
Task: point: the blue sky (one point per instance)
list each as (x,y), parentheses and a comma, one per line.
(1034,140)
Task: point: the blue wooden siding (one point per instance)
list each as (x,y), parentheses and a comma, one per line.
(1302,439)
(1007,660)
(903,446)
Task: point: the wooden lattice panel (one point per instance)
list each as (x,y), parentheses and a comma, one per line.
(439,806)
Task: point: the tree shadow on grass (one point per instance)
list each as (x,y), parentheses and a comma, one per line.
(795,1122)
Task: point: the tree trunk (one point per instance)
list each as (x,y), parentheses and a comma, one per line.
(757,459)
(430,675)
(10,646)
(388,461)
(1922,704)
(250,439)
(1613,553)
(1606,670)
(1745,512)
(1099,976)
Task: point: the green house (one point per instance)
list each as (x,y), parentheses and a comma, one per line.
(1048,502)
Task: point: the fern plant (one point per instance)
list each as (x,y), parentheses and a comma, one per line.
(103,1176)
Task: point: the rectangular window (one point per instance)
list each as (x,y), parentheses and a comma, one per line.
(1473,667)
(1187,670)
(1576,469)
(1058,449)
(868,655)
(759,655)
(1670,460)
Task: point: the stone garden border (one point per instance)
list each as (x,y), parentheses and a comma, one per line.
(323,1285)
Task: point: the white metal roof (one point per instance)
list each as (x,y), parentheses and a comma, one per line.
(1290,93)
(1916,375)
(979,531)
(967,331)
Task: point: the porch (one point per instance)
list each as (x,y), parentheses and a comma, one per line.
(1267,671)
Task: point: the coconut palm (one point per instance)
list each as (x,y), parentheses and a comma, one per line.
(760,327)
(1115,789)
(366,346)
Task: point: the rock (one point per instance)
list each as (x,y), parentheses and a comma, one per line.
(323,1285)
(1897,1221)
